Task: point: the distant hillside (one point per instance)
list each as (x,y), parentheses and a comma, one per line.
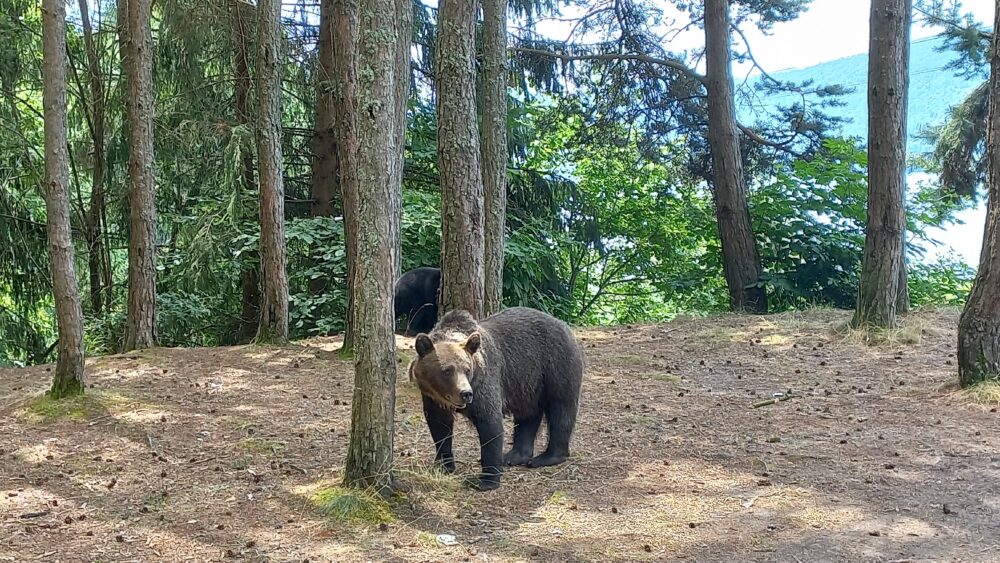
(933,89)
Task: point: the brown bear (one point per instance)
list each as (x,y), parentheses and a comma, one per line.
(519,362)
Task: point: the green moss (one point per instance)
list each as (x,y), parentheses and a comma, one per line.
(345,352)
(44,408)
(341,504)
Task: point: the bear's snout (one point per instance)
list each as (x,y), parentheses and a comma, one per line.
(466,396)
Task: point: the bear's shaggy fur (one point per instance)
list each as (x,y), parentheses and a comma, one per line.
(416,297)
(518,362)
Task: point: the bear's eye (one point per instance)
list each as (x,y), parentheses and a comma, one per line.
(449,372)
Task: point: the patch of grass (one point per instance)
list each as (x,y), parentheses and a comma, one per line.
(238,422)
(558,497)
(629,360)
(714,335)
(986,393)
(261,445)
(910,332)
(430,479)
(240,464)
(644,419)
(664,377)
(341,504)
(154,502)
(414,420)
(427,539)
(44,409)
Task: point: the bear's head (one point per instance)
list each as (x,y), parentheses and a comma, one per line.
(444,370)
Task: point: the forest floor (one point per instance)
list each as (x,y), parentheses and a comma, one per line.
(222,454)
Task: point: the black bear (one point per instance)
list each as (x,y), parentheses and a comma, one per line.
(416,297)
(518,362)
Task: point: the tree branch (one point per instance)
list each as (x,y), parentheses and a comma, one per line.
(676,65)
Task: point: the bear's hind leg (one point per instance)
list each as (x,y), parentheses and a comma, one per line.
(525,431)
(561,418)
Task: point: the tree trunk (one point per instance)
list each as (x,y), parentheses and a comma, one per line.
(137,51)
(888,82)
(740,259)
(99,272)
(324,141)
(274,303)
(345,45)
(369,455)
(403,78)
(250,269)
(493,99)
(903,292)
(462,244)
(69,376)
(979,327)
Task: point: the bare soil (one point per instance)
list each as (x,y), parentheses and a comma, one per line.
(213,455)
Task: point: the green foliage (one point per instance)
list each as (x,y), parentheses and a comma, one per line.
(609,220)
(946,281)
(810,226)
(316,256)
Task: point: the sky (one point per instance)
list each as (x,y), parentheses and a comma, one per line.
(830,30)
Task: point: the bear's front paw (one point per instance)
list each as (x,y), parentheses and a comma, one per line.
(448,466)
(516,458)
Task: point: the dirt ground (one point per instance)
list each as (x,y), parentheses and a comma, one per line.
(215,454)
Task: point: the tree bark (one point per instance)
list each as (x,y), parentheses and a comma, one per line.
(403,78)
(69,376)
(345,45)
(324,141)
(493,99)
(250,269)
(462,243)
(979,327)
(740,258)
(369,455)
(274,303)
(888,83)
(137,52)
(99,270)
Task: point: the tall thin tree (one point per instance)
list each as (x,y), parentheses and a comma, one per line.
(345,107)
(404,76)
(274,303)
(493,135)
(324,141)
(69,376)
(882,269)
(979,327)
(740,258)
(242,84)
(137,52)
(462,243)
(94,222)
(369,455)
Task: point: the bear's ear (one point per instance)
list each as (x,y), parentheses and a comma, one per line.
(424,345)
(472,343)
